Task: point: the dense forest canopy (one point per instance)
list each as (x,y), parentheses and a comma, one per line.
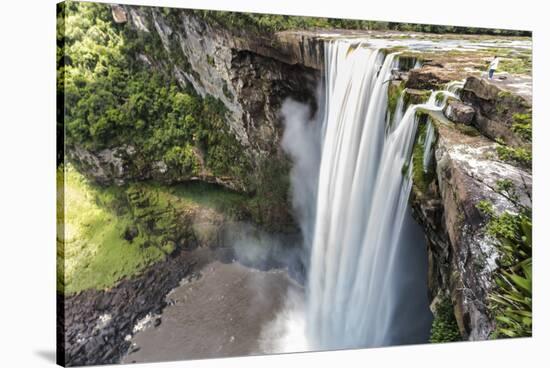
(273,23)
(112,98)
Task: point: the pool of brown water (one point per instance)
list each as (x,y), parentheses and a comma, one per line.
(223,311)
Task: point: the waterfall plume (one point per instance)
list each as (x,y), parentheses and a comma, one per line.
(351,181)
(361,207)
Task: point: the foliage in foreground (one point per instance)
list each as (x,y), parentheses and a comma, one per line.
(444,325)
(511,300)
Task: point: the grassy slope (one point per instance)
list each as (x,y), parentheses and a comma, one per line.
(96,255)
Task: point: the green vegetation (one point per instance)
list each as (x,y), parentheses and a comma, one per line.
(394,93)
(467,130)
(91,245)
(270,203)
(421,179)
(511,300)
(266,23)
(521,156)
(440,97)
(523,125)
(444,326)
(113,98)
(516,64)
(415,96)
(115,89)
(109,233)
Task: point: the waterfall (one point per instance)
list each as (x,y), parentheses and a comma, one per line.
(361,265)
(451,90)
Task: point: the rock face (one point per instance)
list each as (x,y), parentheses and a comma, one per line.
(459,113)
(462,257)
(429,76)
(495,109)
(121,164)
(119,14)
(250,74)
(93,325)
(236,69)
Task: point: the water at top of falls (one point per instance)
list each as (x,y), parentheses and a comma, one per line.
(454,87)
(361,218)
(451,90)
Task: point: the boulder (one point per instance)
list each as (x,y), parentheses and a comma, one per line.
(495,109)
(119,14)
(428,77)
(459,112)
(416,96)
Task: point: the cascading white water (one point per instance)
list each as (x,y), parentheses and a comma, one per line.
(433,104)
(351,182)
(361,220)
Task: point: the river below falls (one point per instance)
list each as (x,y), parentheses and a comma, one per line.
(226,309)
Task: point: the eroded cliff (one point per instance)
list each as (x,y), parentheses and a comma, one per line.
(469,169)
(251,75)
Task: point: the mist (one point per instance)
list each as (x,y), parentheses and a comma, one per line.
(302,140)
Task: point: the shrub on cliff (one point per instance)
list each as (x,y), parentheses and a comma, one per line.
(511,299)
(115,94)
(444,326)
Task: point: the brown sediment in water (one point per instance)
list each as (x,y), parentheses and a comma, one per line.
(220,314)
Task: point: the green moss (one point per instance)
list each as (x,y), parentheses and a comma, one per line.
(467,130)
(421,179)
(394,93)
(210,60)
(444,325)
(521,156)
(517,64)
(415,96)
(197,194)
(109,233)
(522,124)
(90,241)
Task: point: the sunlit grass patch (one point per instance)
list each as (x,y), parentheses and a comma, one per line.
(94,248)
(95,253)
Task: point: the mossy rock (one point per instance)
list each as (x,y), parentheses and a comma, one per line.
(416,96)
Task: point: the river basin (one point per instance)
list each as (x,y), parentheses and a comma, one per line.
(221,311)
